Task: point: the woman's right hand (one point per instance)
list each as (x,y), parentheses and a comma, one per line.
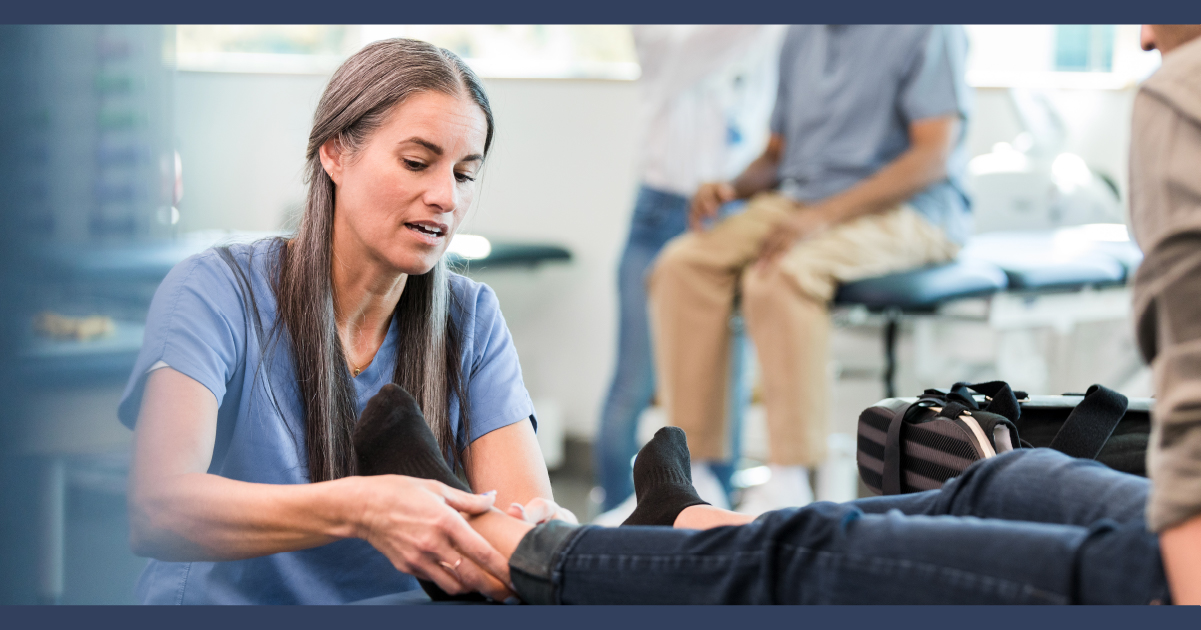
(417,524)
(708,198)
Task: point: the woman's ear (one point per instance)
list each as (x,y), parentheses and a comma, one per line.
(331,155)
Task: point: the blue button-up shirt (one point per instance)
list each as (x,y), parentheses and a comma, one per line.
(846,97)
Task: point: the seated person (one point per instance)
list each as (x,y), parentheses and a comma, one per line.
(1030,526)
(862,176)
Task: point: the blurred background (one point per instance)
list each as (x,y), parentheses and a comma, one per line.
(128,148)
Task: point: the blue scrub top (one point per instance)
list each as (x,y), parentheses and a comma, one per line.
(198,324)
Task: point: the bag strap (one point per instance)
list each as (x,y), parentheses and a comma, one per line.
(1091,423)
(891,481)
(892,476)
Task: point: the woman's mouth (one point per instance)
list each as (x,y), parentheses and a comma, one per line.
(428,231)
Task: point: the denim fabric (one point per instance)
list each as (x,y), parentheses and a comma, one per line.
(1026,527)
(658,217)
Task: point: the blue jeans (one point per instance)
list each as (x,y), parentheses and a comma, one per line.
(1027,527)
(658,217)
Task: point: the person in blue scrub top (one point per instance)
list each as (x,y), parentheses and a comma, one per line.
(258,359)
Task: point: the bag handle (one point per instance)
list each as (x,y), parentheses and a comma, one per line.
(1003,401)
(1090,424)
(891,479)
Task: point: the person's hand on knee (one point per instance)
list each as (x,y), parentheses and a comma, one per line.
(705,203)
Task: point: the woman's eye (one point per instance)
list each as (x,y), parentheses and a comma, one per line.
(464,177)
(414,165)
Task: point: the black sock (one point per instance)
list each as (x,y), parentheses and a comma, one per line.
(392,438)
(663,480)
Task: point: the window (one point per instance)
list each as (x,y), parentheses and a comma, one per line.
(263,48)
(1064,56)
(496,51)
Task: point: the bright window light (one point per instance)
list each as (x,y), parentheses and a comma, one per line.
(539,51)
(1047,56)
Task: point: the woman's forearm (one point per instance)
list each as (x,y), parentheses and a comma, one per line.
(198,516)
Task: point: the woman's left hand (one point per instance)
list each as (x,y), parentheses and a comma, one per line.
(540,510)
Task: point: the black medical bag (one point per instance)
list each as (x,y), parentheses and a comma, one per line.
(916,444)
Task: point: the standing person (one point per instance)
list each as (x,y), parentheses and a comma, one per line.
(862,176)
(1165,210)
(259,358)
(706,92)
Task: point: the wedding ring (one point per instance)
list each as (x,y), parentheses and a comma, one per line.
(451,567)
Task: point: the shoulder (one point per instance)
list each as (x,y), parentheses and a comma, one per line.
(1175,83)
(476,302)
(219,276)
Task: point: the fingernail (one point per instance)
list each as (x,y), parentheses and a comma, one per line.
(490,493)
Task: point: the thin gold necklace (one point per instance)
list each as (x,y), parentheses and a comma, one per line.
(354,369)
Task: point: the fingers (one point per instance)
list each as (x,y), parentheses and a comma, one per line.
(427,567)
(705,203)
(473,546)
(539,510)
(478,579)
(516,510)
(467,502)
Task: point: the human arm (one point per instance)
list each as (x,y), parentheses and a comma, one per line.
(1165,194)
(758,176)
(510,461)
(180,512)
(1181,550)
(931,141)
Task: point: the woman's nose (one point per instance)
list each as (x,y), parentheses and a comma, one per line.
(442,192)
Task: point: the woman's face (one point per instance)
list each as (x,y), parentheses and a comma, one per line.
(402,195)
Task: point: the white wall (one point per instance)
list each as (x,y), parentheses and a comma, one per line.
(562,171)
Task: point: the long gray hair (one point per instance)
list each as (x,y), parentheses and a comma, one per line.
(358,100)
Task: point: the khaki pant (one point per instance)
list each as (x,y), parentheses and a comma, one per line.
(692,292)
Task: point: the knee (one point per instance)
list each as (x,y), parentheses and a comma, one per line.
(763,285)
(676,258)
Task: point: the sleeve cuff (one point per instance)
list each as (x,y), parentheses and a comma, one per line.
(533,564)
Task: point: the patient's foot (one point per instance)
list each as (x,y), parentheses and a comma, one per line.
(663,480)
(392,438)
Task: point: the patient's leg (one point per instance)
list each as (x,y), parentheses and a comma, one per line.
(828,553)
(1036,485)
(392,438)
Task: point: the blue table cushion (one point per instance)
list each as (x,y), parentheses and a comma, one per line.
(925,288)
(1039,261)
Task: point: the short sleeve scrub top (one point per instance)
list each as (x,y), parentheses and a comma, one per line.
(200,325)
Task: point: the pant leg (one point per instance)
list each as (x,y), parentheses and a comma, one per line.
(1037,485)
(828,553)
(791,333)
(786,307)
(691,290)
(658,217)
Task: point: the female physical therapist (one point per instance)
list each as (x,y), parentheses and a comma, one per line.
(258,359)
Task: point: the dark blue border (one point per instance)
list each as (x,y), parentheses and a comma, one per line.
(605,618)
(594,12)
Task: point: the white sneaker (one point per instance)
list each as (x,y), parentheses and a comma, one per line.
(617,515)
(708,487)
(787,487)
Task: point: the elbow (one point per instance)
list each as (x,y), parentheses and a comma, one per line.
(142,538)
(150,535)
